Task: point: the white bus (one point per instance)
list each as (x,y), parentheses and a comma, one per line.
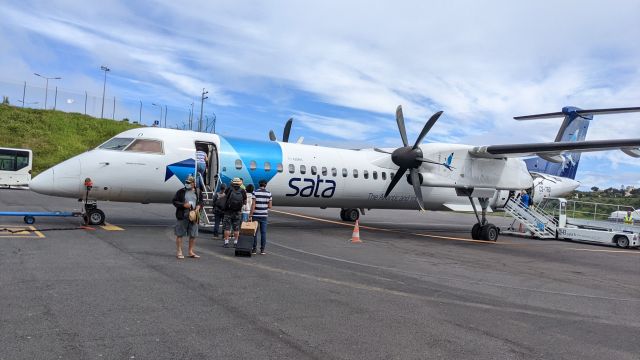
(15,166)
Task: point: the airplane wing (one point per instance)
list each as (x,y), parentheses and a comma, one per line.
(552,151)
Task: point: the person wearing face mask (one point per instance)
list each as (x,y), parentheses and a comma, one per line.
(236,199)
(186,200)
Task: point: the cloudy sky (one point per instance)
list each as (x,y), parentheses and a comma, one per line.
(341,67)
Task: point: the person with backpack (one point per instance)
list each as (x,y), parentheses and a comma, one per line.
(187,202)
(236,199)
(219,200)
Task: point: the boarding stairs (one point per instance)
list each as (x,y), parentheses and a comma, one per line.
(536,221)
(207,216)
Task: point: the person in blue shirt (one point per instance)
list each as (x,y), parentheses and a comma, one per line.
(524,199)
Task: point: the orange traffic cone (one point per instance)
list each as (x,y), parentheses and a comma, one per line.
(355,237)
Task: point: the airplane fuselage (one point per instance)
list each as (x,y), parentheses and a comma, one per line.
(298,174)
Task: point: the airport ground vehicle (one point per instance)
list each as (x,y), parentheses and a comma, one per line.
(15,166)
(559,218)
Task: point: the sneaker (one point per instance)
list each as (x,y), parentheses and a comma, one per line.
(262,252)
(254,251)
(226,245)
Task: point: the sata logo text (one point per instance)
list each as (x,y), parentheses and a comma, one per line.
(312,187)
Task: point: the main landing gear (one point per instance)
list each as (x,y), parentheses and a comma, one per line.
(483,230)
(349,215)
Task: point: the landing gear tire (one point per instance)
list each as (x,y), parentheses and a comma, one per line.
(623,242)
(94,217)
(489,232)
(342,217)
(475,232)
(351,215)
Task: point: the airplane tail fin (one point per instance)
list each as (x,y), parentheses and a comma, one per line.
(574,128)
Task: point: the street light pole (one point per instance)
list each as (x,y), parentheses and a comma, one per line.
(191,117)
(154,104)
(46,89)
(165,116)
(140,116)
(202,107)
(24,92)
(104,87)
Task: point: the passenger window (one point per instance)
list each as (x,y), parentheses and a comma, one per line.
(279,167)
(145,146)
(314,170)
(384,175)
(355,173)
(375,175)
(116,144)
(292,168)
(267,166)
(13,160)
(324,171)
(391,175)
(344,172)
(334,172)
(303,169)
(252,165)
(365,173)
(238,164)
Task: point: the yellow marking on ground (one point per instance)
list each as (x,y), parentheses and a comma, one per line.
(111,227)
(392,230)
(636,252)
(22,232)
(35,231)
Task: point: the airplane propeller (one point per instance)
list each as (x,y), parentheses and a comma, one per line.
(285,133)
(410,157)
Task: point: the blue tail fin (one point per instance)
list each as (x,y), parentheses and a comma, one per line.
(574,128)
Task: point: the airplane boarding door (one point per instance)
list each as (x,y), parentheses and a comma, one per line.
(211,178)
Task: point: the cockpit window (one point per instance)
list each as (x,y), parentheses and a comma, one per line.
(145,146)
(116,144)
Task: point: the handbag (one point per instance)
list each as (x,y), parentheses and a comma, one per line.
(249,228)
(193,216)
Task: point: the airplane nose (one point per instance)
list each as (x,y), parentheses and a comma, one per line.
(44,182)
(60,180)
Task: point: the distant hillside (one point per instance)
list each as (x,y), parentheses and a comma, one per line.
(54,136)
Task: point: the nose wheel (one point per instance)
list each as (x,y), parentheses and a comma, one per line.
(93,215)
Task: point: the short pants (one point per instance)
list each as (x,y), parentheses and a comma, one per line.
(231,220)
(186,228)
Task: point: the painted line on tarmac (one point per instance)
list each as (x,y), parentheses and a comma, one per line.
(26,232)
(404,294)
(111,227)
(448,278)
(632,252)
(392,230)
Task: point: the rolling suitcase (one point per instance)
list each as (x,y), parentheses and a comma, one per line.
(244,245)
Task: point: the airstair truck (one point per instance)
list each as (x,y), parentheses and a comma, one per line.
(549,220)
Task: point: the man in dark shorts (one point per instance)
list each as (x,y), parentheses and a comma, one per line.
(236,199)
(185,200)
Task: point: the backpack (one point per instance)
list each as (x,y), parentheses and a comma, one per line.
(220,201)
(235,200)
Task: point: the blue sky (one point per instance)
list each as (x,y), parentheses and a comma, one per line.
(340,68)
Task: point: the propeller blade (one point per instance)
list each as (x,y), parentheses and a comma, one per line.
(381,151)
(272,136)
(400,121)
(415,181)
(300,140)
(287,130)
(395,180)
(426,128)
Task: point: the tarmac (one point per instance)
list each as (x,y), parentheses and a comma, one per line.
(417,287)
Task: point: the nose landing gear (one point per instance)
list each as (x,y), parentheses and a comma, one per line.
(92,215)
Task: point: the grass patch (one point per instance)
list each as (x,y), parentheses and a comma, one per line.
(54,136)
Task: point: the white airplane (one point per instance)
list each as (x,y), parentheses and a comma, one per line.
(148,165)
